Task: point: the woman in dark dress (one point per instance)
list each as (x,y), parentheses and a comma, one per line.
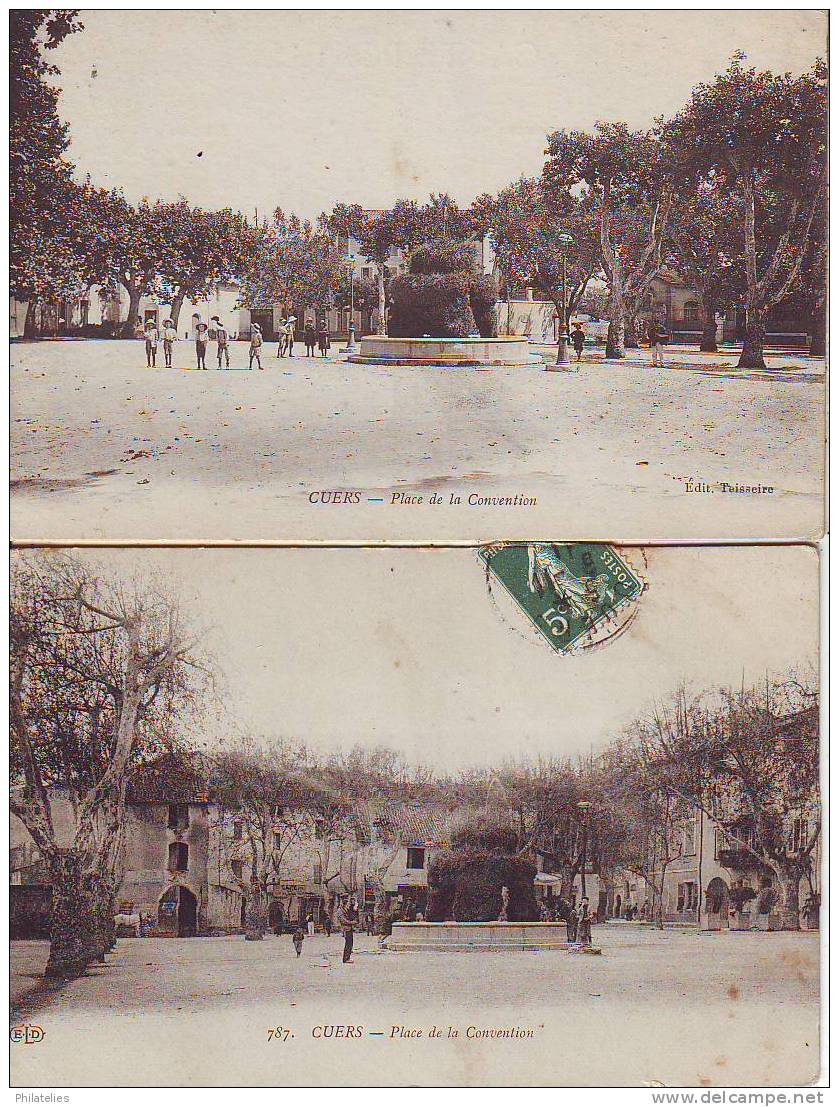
(323,339)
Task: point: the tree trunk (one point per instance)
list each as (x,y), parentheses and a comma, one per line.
(751,356)
(175,308)
(818,332)
(381,328)
(29,322)
(133,311)
(614,340)
(630,333)
(708,341)
(789,877)
(71,937)
(255,916)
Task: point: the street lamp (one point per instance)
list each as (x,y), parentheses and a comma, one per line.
(351,339)
(565,241)
(583,807)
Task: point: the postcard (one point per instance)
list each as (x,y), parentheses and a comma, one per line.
(418,275)
(529,814)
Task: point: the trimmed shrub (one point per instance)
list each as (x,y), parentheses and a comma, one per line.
(483,295)
(436,305)
(483,833)
(442,883)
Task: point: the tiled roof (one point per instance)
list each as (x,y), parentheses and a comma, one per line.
(170,778)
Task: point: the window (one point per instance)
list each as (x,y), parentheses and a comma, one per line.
(178,857)
(416,857)
(798,834)
(278,840)
(178,816)
(317,873)
(691,311)
(687,897)
(719,842)
(236,869)
(366,272)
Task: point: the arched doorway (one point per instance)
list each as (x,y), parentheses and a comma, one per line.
(618,903)
(716,904)
(177,912)
(276,916)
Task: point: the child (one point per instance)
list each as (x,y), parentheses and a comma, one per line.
(323,339)
(256,343)
(578,340)
(169,336)
(310,338)
(298,935)
(152,335)
(221,338)
(201,335)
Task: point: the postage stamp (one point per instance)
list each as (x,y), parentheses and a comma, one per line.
(577,594)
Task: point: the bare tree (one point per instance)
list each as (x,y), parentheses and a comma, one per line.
(99,671)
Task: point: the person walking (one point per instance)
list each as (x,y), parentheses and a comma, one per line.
(323,339)
(256,346)
(658,336)
(222,348)
(202,332)
(310,338)
(297,939)
(578,340)
(152,335)
(310,925)
(170,333)
(327,924)
(347,920)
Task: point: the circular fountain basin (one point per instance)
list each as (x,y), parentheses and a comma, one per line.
(377,349)
(457,937)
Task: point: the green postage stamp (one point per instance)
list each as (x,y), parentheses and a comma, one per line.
(576,594)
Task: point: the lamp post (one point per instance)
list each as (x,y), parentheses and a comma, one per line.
(351,339)
(583,807)
(565,240)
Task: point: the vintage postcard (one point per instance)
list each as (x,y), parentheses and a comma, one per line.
(418,275)
(540,814)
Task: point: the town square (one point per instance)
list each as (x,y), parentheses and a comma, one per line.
(376,817)
(620,325)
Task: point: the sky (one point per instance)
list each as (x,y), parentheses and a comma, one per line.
(259,109)
(405,648)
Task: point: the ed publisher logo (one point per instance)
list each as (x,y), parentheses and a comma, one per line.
(26,1033)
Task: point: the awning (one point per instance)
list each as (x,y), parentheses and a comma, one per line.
(546,878)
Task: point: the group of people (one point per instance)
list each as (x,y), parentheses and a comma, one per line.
(348,920)
(202,333)
(657,337)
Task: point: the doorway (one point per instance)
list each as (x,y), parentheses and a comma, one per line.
(716,904)
(187,914)
(177,912)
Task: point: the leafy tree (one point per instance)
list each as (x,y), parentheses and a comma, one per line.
(526,228)
(44,259)
(706,251)
(291,262)
(201,250)
(628,179)
(99,672)
(766,137)
(379,235)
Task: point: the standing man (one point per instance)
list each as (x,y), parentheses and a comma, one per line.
(256,344)
(152,336)
(222,350)
(658,335)
(347,920)
(578,340)
(169,335)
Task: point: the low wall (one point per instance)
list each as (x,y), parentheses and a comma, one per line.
(455,937)
(443,351)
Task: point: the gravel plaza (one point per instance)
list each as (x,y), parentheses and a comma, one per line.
(105,449)
(677,1007)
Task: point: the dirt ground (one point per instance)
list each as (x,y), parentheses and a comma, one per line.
(104,448)
(677,1007)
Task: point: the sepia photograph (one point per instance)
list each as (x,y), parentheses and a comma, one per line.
(418,275)
(534,815)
